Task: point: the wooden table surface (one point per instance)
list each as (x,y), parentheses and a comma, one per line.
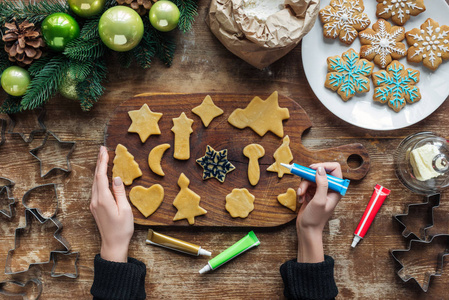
(202,64)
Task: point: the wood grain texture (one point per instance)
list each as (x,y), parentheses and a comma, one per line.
(220,135)
(203,65)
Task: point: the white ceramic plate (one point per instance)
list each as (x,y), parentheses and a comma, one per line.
(361,110)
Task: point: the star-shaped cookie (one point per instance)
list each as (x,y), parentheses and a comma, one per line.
(207,111)
(215,164)
(144,122)
(187,202)
(399,10)
(261,116)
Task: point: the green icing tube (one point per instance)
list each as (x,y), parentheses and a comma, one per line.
(248,242)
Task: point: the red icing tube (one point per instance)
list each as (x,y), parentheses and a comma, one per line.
(377,199)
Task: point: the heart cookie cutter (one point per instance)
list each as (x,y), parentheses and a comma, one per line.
(40,121)
(35,153)
(31,214)
(5,189)
(21,285)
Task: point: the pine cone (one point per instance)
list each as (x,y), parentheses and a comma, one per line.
(23,42)
(141,6)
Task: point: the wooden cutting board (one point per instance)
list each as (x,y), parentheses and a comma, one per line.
(221,135)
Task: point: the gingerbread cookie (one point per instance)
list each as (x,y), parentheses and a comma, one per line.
(344,18)
(207,111)
(430,44)
(396,85)
(125,166)
(155,157)
(215,164)
(261,116)
(144,122)
(288,199)
(147,201)
(182,128)
(382,43)
(253,152)
(399,10)
(348,74)
(283,154)
(239,203)
(187,202)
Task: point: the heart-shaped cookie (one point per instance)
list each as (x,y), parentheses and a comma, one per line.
(147,201)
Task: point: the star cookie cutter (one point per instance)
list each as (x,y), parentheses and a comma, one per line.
(40,121)
(432,201)
(37,291)
(36,211)
(35,153)
(29,215)
(5,189)
(402,272)
(55,273)
(2,131)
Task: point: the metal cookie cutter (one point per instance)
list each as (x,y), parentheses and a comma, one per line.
(40,120)
(29,216)
(36,211)
(6,194)
(432,201)
(35,153)
(55,273)
(35,292)
(402,273)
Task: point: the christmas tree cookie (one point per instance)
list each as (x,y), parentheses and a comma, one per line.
(348,74)
(396,86)
(283,154)
(207,111)
(144,122)
(239,203)
(344,19)
(125,166)
(187,202)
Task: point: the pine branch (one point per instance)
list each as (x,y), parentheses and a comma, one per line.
(90,29)
(90,90)
(163,43)
(39,64)
(80,70)
(188,10)
(146,49)
(4,60)
(125,58)
(84,50)
(11,105)
(46,83)
(34,11)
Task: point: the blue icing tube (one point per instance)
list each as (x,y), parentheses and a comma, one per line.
(336,184)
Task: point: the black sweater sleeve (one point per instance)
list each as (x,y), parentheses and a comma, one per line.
(309,281)
(114,281)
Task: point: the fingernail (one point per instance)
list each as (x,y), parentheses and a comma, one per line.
(117,181)
(321,171)
(311,166)
(299,191)
(102,149)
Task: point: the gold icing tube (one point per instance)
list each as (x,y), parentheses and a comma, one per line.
(158,239)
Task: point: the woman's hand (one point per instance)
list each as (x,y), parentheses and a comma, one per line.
(112,213)
(318,204)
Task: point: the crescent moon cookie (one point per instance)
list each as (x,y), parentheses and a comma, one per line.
(155,157)
(396,85)
(344,18)
(399,10)
(430,44)
(348,74)
(382,43)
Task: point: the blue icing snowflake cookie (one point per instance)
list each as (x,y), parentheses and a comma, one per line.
(396,85)
(215,164)
(348,74)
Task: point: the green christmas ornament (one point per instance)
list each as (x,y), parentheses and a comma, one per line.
(86,8)
(15,81)
(67,88)
(58,30)
(120,28)
(164,15)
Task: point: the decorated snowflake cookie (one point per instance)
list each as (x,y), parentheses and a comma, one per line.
(348,74)
(430,44)
(382,43)
(396,85)
(344,18)
(399,10)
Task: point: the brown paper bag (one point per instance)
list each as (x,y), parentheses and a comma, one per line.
(261,43)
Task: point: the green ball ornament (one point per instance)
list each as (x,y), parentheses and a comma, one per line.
(164,15)
(67,88)
(86,8)
(58,30)
(15,81)
(120,28)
